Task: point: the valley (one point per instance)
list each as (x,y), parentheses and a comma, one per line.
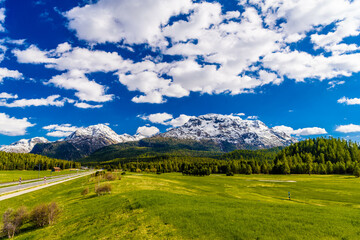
(173,206)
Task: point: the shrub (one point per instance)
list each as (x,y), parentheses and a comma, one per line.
(123,173)
(138,170)
(45,214)
(99,173)
(102,189)
(13,220)
(85,191)
(229,174)
(110,176)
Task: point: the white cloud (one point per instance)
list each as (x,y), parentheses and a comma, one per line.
(86,106)
(349,101)
(5,95)
(157,117)
(179,121)
(2,19)
(86,90)
(310,131)
(219,52)
(49,101)
(116,20)
(77,62)
(301,131)
(32,55)
(12,126)
(6,73)
(62,130)
(334,83)
(147,131)
(166,119)
(350,128)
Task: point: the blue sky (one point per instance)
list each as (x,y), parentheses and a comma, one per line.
(144,66)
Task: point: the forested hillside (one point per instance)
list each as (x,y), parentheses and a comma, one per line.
(153,149)
(311,156)
(28,161)
(320,155)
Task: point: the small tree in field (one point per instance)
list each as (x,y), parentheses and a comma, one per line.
(13,220)
(102,189)
(45,214)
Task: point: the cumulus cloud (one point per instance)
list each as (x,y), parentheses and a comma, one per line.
(12,126)
(157,117)
(62,130)
(116,20)
(86,106)
(5,95)
(77,62)
(350,128)
(147,131)
(216,51)
(6,73)
(49,101)
(301,131)
(179,121)
(86,90)
(349,101)
(166,119)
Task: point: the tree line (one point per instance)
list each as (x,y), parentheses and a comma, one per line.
(28,161)
(312,156)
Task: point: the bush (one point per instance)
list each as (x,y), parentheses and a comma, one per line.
(13,220)
(123,173)
(45,214)
(110,176)
(229,174)
(85,191)
(99,173)
(102,189)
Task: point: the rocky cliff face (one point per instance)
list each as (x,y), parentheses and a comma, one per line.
(244,134)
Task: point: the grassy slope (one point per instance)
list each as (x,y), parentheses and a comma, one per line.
(173,206)
(14,175)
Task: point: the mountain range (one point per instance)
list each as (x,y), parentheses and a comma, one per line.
(228,132)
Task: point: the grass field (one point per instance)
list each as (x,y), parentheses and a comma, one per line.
(172,206)
(11,176)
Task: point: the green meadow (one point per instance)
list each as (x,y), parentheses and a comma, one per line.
(173,206)
(14,175)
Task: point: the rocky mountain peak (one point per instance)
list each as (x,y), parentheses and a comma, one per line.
(231,129)
(23,145)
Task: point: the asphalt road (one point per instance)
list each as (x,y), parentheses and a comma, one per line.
(34,179)
(5,190)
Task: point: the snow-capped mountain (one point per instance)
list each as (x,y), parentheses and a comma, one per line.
(97,136)
(83,142)
(23,145)
(231,129)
